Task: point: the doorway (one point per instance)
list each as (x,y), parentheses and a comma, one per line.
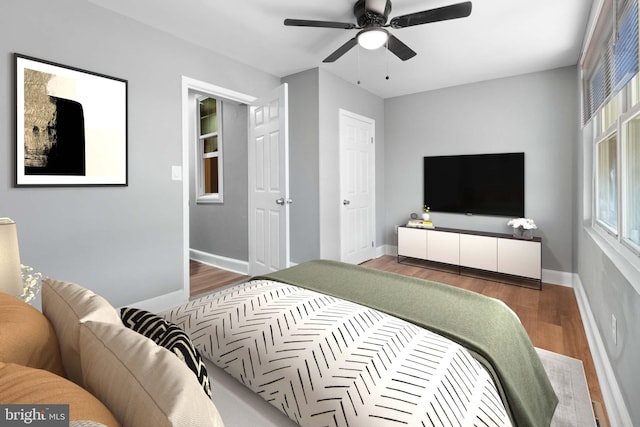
(236,262)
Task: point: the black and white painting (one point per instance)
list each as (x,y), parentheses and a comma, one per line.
(71,125)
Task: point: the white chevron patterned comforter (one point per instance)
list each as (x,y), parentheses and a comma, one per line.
(324,361)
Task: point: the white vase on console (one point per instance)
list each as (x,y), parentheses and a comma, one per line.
(425,213)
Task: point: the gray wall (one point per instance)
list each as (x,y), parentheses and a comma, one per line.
(533,113)
(610,292)
(221,228)
(304,182)
(125,242)
(608,289)
(335,94)
(315,97)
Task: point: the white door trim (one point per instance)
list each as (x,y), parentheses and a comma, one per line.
(342,114)
(189,84)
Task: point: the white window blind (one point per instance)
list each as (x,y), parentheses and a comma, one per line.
(612,56)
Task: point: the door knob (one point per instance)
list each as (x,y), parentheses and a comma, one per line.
(346,202)
(281,201)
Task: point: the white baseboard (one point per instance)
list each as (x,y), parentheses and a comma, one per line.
(230,264)
(386,250)
(554,277)
(614,402)
(390,250)
(162,302)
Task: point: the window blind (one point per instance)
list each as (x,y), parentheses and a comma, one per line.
(612,56)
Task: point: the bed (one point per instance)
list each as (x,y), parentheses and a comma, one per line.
(328,343)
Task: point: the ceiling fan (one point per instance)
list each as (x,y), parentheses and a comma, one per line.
(371,17)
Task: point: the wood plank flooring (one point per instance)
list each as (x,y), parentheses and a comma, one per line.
(205,278)
(550,316)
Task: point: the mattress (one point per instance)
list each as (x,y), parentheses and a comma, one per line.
(325,361)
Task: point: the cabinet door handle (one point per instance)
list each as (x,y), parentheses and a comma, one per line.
(346,202)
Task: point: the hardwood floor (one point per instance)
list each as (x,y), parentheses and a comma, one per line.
(550,316)
(205,278)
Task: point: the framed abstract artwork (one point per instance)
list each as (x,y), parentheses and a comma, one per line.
(71,126)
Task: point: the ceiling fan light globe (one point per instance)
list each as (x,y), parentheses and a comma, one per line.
(373,39)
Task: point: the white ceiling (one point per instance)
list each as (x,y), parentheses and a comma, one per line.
(501,38)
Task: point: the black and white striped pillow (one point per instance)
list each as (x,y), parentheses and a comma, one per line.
(169,336)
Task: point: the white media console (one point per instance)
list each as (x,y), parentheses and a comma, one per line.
(493,252)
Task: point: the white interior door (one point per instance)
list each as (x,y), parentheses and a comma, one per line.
(357,188)
(269,201)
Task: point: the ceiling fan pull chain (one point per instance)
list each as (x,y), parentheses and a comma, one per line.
(358,64)
(386,58)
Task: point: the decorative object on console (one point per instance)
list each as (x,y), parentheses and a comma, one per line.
(10,274)
(425,215)
(425,222)
(419,223)
(522,227)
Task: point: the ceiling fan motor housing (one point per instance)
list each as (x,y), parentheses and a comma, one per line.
(369,18)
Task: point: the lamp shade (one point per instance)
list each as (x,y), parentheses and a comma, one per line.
(372,38)
(10,273)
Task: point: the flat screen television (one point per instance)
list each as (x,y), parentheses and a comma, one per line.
(477,184)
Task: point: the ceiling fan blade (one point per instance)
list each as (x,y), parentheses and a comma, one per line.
(319,24)
(454,11)
(399,49)
(341,50)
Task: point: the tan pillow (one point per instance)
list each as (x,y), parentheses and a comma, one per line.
(141,382)
(26,336)
(67,305)
(29,386)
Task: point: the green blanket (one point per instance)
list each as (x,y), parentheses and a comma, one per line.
(485,326)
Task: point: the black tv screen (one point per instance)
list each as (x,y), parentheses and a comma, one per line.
(480,184)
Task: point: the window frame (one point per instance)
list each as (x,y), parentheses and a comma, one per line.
(632,114)
(626,111)
(611,133)
(626,99)
(201,156)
